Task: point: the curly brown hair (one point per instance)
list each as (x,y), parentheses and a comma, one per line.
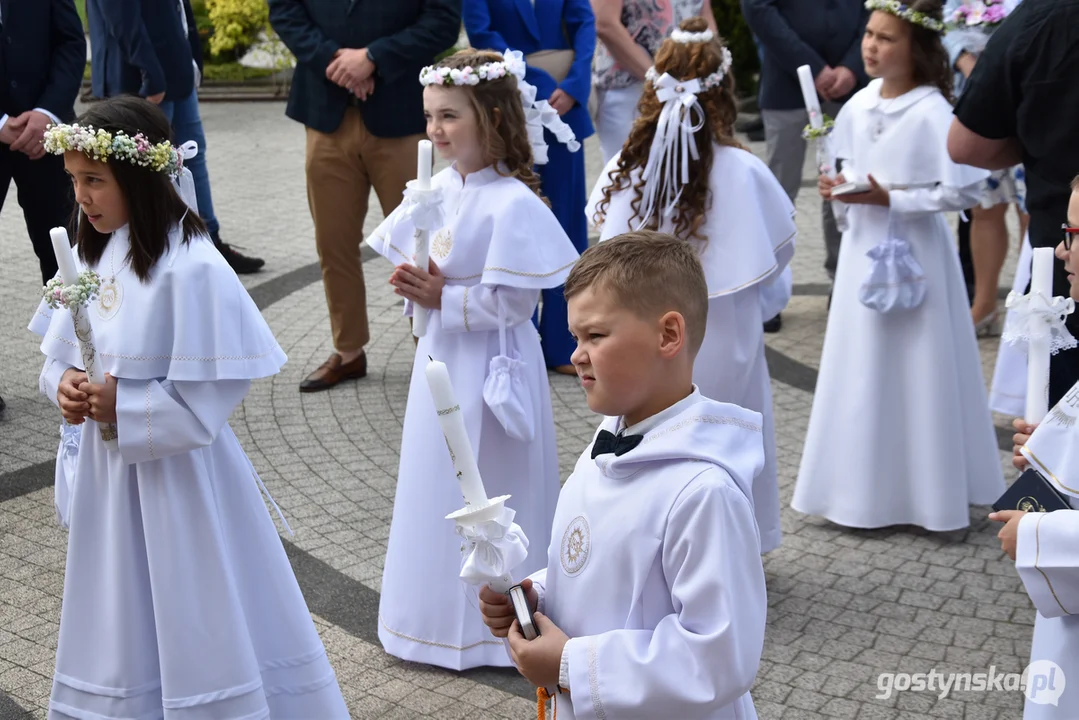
(500,117)
(685,62)
(927,53)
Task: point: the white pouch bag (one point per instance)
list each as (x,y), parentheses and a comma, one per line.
(896,281)
(506,390)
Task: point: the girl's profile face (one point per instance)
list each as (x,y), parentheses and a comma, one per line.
(886,47)
(453,127)
(97,192)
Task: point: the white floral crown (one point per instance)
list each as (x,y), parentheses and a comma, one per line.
(511,64)
(686,37)
(903,11)
(707,83)
(102,146)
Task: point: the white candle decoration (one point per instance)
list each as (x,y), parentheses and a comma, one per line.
(452,421)
(809,96)
(422,237)
(1041,291)
(80,316)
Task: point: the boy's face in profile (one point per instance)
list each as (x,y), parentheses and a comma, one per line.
(1071,256)
(617,356)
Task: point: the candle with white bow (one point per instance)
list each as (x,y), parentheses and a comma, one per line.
(1041,294)
(84,333)
(422,237)
(825,157)
(496,544)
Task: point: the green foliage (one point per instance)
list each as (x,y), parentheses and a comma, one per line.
(80,7)
(237,25)
(234,72)
(732,26)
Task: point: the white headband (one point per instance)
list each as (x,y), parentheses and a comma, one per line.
(685,37)
(679,120)
(538,113)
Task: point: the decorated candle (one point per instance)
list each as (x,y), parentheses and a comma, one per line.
(423,164)
(809,96)
(1041,290)
(65,260)
(452,421)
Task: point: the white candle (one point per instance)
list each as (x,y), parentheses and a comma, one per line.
(1041,284)
(452,421)
(421,238)
(423,164)
(809,96)
(65,259)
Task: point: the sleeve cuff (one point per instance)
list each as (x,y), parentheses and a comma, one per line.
(539,580)
(43,111)
(3,120)
(134,419)
(563,670)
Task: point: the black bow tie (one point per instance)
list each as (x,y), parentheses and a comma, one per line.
(608,442)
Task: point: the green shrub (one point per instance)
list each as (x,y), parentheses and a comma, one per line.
(732,26)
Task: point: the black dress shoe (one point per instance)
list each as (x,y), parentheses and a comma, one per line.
(773,325)
(241,264)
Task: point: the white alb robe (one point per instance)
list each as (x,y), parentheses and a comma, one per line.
(654,570)
(500,244)
(750,232)
(178,596)
(1047,558)
(868,460)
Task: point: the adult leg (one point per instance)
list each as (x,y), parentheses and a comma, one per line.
(337,190)
(563,182)
(988,248)
(47,201)
(187,126)
(614,119)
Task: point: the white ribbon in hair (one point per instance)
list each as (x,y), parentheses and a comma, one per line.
(188,150)
(667,170)
(538,113)
(685,37)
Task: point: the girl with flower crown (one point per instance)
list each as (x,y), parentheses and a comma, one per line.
(498,247)
(899,347)
(178,597)
(682,172)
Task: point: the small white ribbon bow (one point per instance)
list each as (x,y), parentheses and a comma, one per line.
(188,150)
(423,207)
(492,549)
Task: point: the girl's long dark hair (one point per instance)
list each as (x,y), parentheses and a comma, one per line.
(927,52)
(153,205)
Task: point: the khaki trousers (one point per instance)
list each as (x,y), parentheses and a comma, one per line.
(342,167)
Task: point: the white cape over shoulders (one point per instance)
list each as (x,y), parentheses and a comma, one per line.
(750,234)
(179,600)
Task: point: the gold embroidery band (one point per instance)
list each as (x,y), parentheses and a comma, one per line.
(1046,471)
(447,411)
(1037,554)
(465,311)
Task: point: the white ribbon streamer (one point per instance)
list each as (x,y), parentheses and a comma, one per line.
(538,113)
(423,207)
(667,170)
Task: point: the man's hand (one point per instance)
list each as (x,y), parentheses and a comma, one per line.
(364,89)
(12,129)
(824,82)
(844,82)
(31,141)
(350,67)
(538,660)
(156,99)
(561,101)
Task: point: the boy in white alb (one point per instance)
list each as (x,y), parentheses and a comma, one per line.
(653,602)
(1045,546)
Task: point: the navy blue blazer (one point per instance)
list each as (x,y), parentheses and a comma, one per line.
(551,25)
(401,37)
(138,47)
(42,57)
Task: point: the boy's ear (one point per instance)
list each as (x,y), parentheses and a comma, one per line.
(672,337)
(496,117)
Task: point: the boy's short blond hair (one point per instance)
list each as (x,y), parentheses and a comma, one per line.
(650,273)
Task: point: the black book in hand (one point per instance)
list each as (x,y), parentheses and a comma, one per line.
(1032,493)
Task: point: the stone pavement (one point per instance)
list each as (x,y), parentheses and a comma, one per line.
(845,605)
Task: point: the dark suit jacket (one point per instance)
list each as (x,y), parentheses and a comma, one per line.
(401,37)
(42,57)
(804,32)
(139,47)
(550,25)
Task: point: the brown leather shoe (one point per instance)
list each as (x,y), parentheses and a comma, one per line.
(334,371)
